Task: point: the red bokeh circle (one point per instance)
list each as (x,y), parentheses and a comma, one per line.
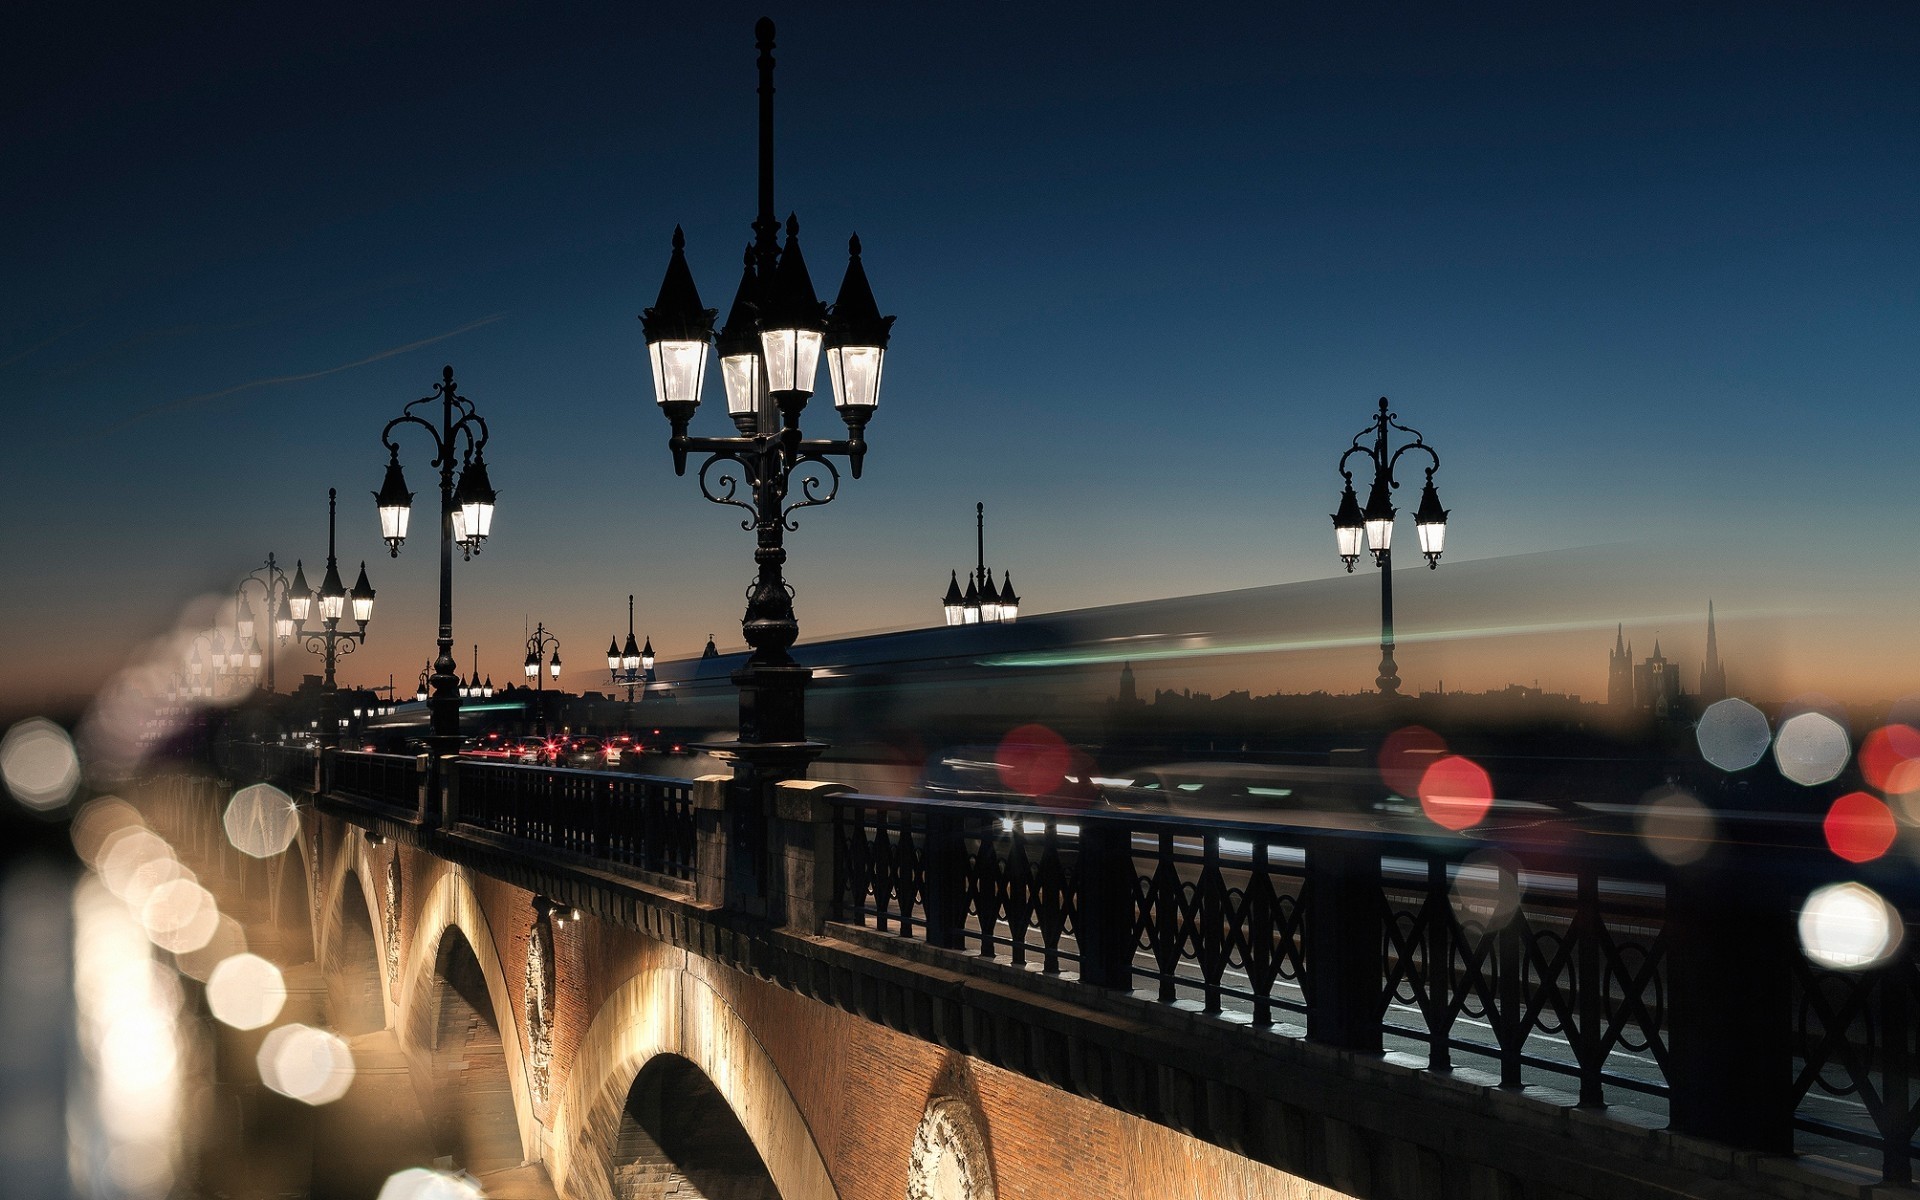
(1890,759)
(1405,756)
(1033,760)
(1456,792)
(1859,828)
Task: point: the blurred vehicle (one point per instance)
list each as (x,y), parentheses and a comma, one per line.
(494,745)
(585,752)
(531,750)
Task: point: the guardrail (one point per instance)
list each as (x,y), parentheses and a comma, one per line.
(1601,967)
(1608,969)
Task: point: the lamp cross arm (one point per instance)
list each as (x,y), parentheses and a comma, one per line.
(408,418)
(1419,445)
(1366,451)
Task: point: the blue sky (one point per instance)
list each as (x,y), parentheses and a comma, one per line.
(1643,274)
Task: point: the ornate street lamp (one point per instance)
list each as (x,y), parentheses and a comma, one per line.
(629,666)
(331,641)
(982,602)
(466,520)
(537,643)
(1375,521)
(769,351)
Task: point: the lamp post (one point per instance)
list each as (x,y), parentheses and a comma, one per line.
(466,518)
(628,666)
(275,588)
(769,354)
(982,601)
(1375,522)
(537,643)
(332,602)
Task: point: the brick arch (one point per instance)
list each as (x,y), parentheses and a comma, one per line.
(452,905)
(351,863)
(669,1010)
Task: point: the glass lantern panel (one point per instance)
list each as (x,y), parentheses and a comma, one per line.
(856,375)
(332,607)
(1347,539)
(283,627)
(478,517)
(363,609)
(460,525)
(741,374)
(393,521)
(678,370)
(1433,537)
(1379,533)
(793,358)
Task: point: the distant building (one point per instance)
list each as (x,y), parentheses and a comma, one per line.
(1653,684)
(1713,673)
(1128,696)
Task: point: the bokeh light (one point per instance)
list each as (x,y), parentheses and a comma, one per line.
(38,762)
(1486,890)
(180,915)
(418,1183)
(261,820)
(1733,734)
(98,818)
(228,939)
(1859,828)
(1033,760)
(1405,755)
(1890,759)
(1811,748)
(246,991)
(135,861)
(1675,827)
(1456,792)
(306,1064)
(1848,927)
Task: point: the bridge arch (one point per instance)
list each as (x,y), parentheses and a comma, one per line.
(669,1011)
(349,942)
(451,907)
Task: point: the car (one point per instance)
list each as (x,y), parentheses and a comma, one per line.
(587,752)
(490,745)
(532,750)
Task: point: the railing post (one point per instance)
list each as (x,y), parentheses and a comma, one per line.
(1342,964)
(449,779)
(802,885)
(710,839)
(423,789)
(945,900)
(1104,907)
(1731,940)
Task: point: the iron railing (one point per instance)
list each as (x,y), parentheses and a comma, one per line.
(637,821)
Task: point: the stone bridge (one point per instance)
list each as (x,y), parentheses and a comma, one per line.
(943,1000)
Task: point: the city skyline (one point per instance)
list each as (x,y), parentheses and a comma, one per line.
(1639,277)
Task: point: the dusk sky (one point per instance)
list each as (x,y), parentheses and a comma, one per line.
(1646,277)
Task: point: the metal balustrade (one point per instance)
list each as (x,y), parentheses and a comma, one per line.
(623,820)
(1604,969)
(1552,964)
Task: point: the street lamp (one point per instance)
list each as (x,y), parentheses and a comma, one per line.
(982,601)
(628,666)
(769,353)
(1375,522)
(537,643)
(420,691)
(332,602)
(466,518)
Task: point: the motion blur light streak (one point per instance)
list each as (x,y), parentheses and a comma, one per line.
(1456,793)
(1733,734)
(39,765)
(1675,827)
(246,991)
(1859,828)
(306,1064)
(261,820)
(1848,927)
(1811,748)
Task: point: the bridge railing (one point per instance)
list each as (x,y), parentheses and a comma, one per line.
(641,822)
(1609,970)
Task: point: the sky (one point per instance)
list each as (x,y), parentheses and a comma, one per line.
(1644,275)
